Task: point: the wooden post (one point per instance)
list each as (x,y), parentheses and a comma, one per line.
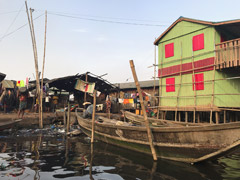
(68,117)
(85,93)
(180,83)
(217,117)
(198,117)
(43,65)
(213,84)
(93,115)
(64,118)
(186,116)
(194,88)
(160,85)
(149,133)
(31,26)
(224,116)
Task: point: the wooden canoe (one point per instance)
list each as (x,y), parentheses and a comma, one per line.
(8,123)
(191,144)
(138,119)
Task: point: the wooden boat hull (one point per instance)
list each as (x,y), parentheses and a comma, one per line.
(186,144)
(7,124)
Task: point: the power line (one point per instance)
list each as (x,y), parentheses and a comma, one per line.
(102,20)
(4,36)
(10,12)
(102,17)
(12,22)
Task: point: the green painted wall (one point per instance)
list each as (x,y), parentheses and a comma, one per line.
(186,89)
(229,86)
(181,34)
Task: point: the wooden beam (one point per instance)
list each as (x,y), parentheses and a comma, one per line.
(150,136)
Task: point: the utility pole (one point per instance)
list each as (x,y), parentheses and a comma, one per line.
(31,26)
(43,65)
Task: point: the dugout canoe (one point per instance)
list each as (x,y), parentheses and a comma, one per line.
(190,144)
(138,119)
(8,123)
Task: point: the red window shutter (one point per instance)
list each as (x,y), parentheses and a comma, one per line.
(169,50)
(198,42)
(170,84)
(199,82)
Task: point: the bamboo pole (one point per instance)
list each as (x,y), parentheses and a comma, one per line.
(154,86)
(85,93)
(68,117)
(43,66)
(93,115)
(213,83)
(160,87)
(31,26)
(180,83)
(149,133)
(194,88)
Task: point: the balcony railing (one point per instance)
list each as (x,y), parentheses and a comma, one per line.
(227,54)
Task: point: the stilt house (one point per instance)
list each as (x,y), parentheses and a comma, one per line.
(198,67)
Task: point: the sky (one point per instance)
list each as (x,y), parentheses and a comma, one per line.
(97,36)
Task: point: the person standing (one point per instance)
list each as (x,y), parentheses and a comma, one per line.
(47,102)
(22,104)
(55,101)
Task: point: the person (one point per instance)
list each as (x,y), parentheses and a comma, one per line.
(36,106)
(47,102)
(22,104)
(55,101)
(87,113)
(8,101)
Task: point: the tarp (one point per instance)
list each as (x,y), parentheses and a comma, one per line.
(7,84)
(84,86)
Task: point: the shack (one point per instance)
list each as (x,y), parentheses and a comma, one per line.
(198,70)
(67,84)
(127,95)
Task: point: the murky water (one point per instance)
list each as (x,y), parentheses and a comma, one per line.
(49,154)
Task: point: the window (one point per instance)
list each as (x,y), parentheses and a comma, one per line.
(198,42)
(199,82)
(169,50)
(170,84)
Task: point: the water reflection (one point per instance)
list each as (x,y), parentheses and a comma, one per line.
(46,154)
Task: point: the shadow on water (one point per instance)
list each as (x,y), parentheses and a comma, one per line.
(49,154)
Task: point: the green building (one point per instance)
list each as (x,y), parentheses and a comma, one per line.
(198,67)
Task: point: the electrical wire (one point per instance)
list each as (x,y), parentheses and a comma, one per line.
(102,17)
(6,35)
(102,20)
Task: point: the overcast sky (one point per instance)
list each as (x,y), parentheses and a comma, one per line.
(99,36)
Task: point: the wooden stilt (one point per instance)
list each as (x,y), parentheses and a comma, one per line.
(198,117)
(93,116)
(224,116)
(186,116)
(179,116)
(150,137)
(217,117)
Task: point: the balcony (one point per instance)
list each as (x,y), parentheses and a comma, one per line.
(227,54)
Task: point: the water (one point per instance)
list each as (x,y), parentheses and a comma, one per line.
(49,154)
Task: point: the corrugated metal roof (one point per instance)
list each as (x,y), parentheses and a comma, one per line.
(2,76)
(7,84)
(143,84)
